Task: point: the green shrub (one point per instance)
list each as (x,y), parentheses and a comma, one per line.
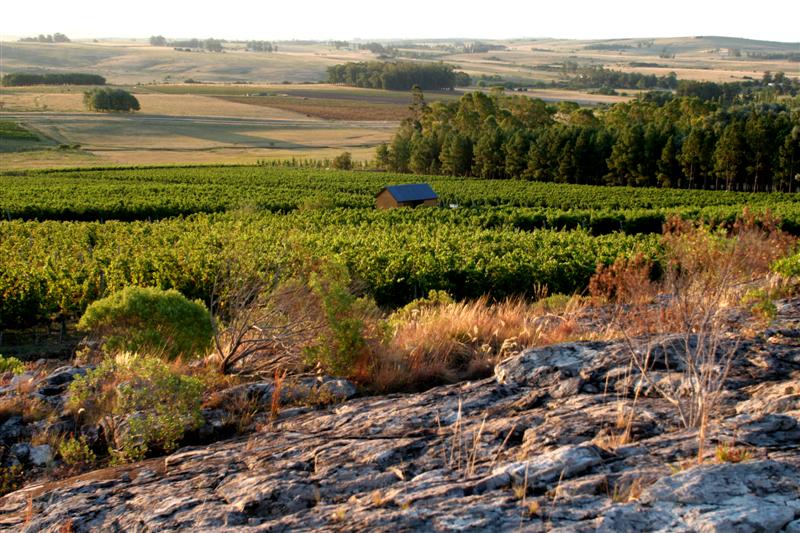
(760,303)
(150,321)
(76,451)
(11,364)
(342,342)
(407,312)
(157,404)
(11,478)
(788,267)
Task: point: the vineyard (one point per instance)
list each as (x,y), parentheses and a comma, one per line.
(155,193)
(71,237)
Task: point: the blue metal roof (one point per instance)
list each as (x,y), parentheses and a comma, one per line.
(411,192)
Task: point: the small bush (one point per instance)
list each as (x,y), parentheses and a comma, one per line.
(729,453)
(267,324)
(343,161)
(760,303)
(413,308)
(157,404)
(11,364)
(11,478)
(341,344)
(788,267)
(706,272)
(150,321)
(625,280)
(76,452)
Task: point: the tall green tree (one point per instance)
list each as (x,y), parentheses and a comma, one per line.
(669,169)
(696,157)
(626,156)
(729,155)
(489,160)
(424,155)
(516,154)
(789,160)
(383,157)
(456,155)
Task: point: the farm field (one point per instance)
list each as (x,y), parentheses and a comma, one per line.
(70,100)
(188,125)
(182,137)
(172,227)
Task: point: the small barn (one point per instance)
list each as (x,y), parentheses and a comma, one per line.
(409,195)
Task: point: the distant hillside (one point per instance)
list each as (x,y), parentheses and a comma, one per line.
(703,57)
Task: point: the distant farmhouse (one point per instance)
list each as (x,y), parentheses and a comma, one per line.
(410,195)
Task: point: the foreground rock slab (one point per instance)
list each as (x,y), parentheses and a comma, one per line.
(538,447)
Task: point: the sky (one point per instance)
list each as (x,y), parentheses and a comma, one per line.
(774,20)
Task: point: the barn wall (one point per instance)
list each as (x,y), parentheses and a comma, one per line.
(385,201)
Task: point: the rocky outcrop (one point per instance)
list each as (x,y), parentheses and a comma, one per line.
(541,446)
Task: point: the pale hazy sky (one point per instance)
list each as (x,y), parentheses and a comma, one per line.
(776,20)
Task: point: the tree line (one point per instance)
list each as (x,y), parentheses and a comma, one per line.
(741,91)
(261,46)
(41,38)
(599,76)
(775,56)
(22,79)
(212,45)
(656,140)
(398,75)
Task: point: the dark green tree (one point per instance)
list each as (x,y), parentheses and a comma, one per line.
(107,99)
(516,154)
(761,151)
(729,155)
(424,157)
(489,162)
(456,155)
(669,169)
(789,160)
(626,156)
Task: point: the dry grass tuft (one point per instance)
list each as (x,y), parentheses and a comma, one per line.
(439,340)
(629,492)
(241,412)
(730,453)
(275,403)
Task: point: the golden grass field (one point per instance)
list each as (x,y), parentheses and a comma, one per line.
(152,103)
(140,137)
